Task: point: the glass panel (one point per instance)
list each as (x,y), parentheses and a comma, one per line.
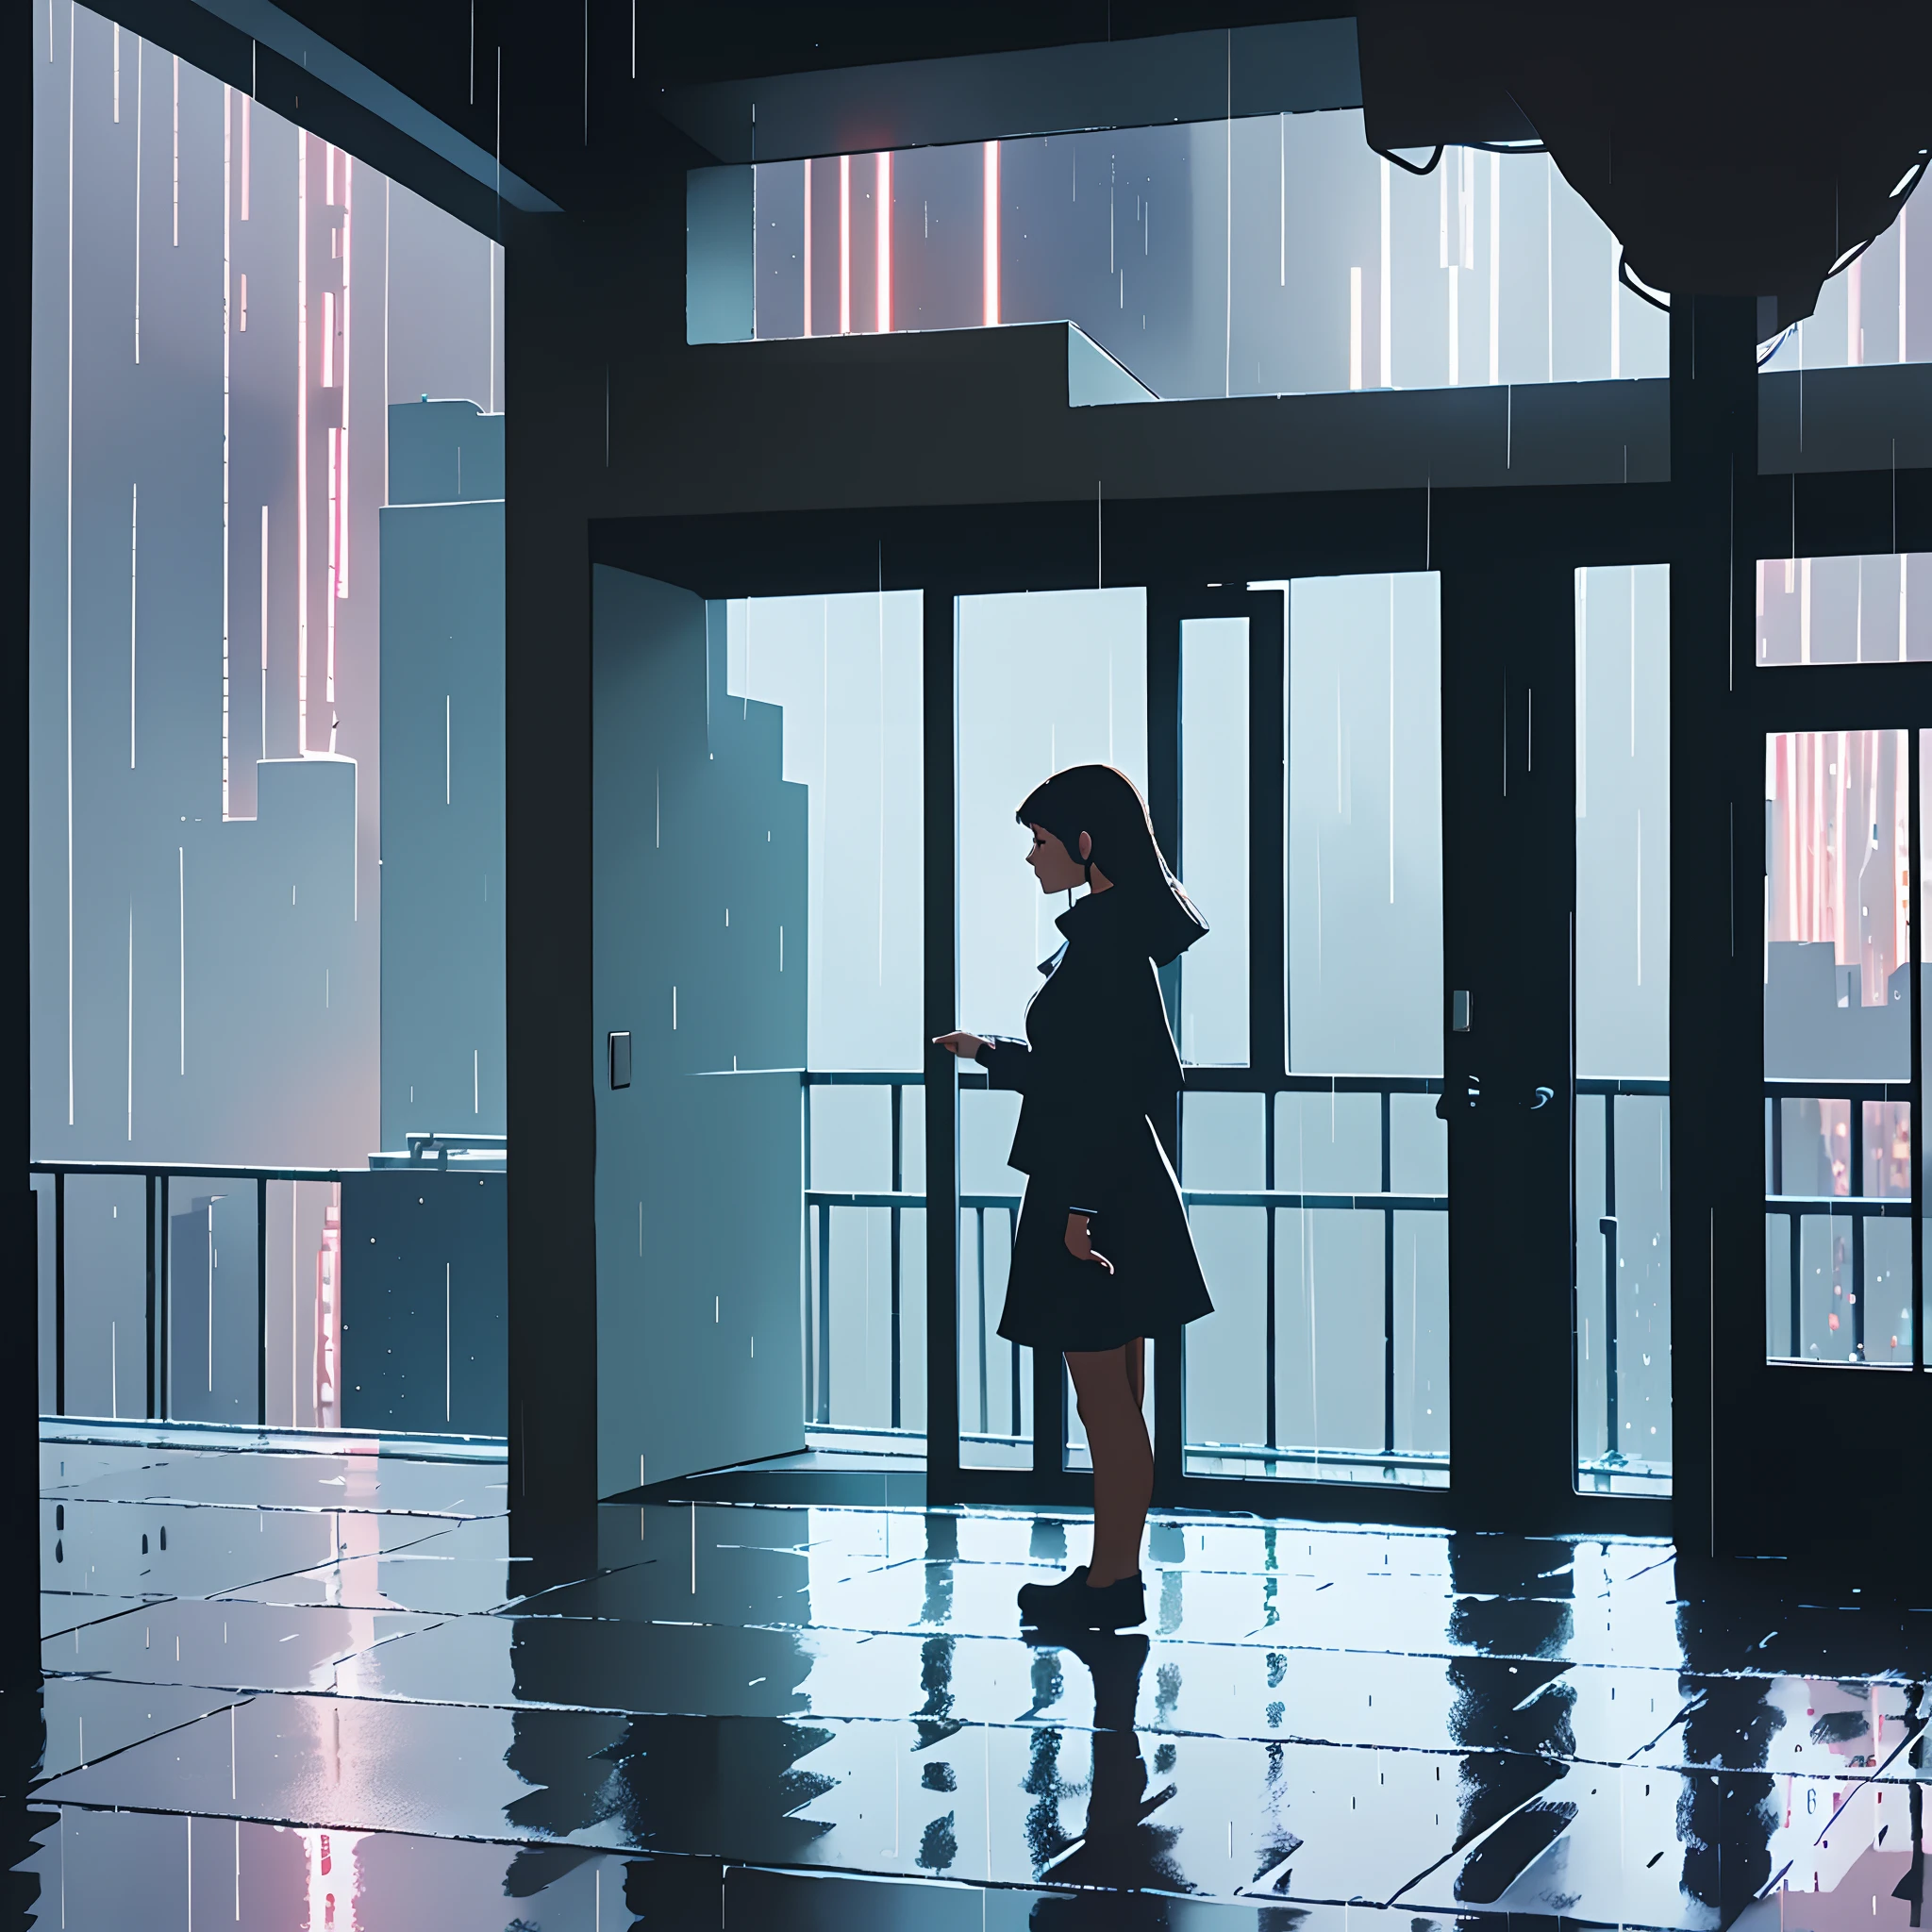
(1364,826)
(995,1376)
(1420,1427)
(107,1294)
(1228,1398)
(1838,1022)
(42,1187)
(1623,1294)
(213,1358)
(1263,255)
(1214,834)
(1623,822)
(1334,1274)
(844,672)
(1844,609)
(1863,315)
(842,676)
(1623,1358)
(270,685)
(1328,1143)
(1417,1145)
(1327,1357)
(1044,681)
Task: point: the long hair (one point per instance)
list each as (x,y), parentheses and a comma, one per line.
(1106,805)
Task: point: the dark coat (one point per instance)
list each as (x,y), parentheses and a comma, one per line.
(1098,1060)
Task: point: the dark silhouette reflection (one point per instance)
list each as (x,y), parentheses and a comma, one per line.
(1118,1848)
(1513,1606)
(941,1553)
(1912,1888)
(1727,1810)
(23,1742)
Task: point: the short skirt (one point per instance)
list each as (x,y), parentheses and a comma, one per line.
(1055,1301)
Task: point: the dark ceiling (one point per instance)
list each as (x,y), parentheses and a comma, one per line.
(578,80)
(1732,149)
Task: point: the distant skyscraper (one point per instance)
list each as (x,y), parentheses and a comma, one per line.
(442,723)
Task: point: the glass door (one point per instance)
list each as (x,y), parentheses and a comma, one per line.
(1308,824)
(1377,1130)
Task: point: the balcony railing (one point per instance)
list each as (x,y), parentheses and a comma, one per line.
(1854,1205)
(158,1300)
(994,1391)
(993,1406)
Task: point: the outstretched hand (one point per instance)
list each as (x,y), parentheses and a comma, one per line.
(964,1046)
(1080,1243)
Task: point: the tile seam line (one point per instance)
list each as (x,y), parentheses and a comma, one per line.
(271,1509)
(235,1703)
(239,1697)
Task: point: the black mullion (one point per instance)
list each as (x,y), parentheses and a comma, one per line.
(1164,807)
(1015,1412)
(1912,861)
(825,1310)
(1267,914)
(1267,835)
(1272,1335)
(59,1294)
(898,1183)
(938,709)
(153,1183)
(1795,1223)
(1611,1404)
(980,1346)
(261,1303)
(1388,1279)
(1164,754)
(1855,1187)
(166,1287)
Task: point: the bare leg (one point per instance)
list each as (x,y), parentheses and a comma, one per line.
(1104,1386)
(1137,1370)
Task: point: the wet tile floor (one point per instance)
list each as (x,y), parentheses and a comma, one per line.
(308,1690)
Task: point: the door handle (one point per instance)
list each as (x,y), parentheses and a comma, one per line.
(1466,1101)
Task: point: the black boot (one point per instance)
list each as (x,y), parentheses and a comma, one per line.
(1070,1604)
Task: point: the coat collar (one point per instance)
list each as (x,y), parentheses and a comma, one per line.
(1087,913)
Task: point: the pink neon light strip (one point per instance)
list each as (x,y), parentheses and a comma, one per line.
(301,442)
(844,244)
(329,688)
(328,338)
(885,244)
(342,441)
(990,265)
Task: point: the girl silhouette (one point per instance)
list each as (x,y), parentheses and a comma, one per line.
(1103,1256)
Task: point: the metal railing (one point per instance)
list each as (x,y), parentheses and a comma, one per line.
(158,1300)
(1613,1461)
(1854,1205)
(898,1201)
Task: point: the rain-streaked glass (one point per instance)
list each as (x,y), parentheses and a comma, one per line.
(1838,1017)
(1263,255)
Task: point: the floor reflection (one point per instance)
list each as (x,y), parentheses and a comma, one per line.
(360,1704)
